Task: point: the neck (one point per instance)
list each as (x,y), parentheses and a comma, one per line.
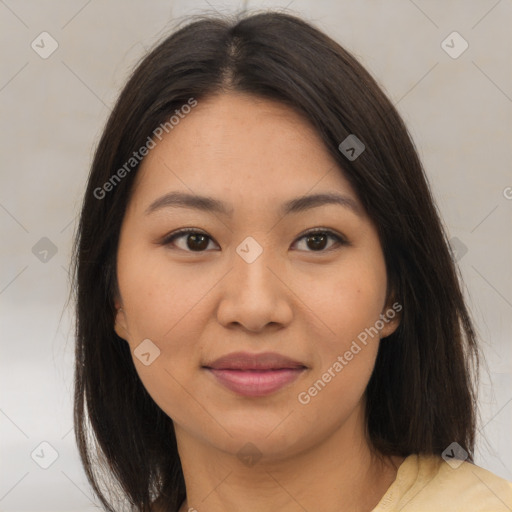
(340,473)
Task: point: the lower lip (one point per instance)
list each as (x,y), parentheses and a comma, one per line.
(257,382)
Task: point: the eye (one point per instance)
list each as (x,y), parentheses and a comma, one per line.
(195,241)
(198,241)
(317,239)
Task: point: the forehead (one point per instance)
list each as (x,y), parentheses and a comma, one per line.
(241,146)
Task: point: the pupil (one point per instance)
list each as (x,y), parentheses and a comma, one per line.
(316,238)
(203,244)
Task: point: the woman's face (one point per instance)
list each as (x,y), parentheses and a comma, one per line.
(252,282)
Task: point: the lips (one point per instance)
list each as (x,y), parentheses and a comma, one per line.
(255,374)
(246,361)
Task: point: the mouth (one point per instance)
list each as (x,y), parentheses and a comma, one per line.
(255,374)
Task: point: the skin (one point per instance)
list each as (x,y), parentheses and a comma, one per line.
(255,154)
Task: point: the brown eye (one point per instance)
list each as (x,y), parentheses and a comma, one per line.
(317,241)
(195,241)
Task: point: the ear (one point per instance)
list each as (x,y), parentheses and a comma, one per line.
(120,324)
(391,316)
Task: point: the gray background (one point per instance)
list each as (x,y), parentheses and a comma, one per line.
(457,109)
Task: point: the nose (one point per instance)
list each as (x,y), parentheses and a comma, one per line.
(255,294)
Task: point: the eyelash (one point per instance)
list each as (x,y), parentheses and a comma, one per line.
(169,239)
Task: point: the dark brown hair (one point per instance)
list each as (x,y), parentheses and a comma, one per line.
(421,395)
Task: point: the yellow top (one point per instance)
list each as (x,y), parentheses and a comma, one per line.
(426,483)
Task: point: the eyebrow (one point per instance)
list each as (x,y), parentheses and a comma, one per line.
(212,205)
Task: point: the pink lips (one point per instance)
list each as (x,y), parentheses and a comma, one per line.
(255,374)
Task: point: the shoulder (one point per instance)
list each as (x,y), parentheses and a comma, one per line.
(426,483)
(477,488)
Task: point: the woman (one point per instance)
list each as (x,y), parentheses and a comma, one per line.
(268,314)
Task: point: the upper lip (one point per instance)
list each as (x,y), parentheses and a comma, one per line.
(248,361)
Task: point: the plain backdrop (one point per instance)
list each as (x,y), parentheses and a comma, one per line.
(458,109)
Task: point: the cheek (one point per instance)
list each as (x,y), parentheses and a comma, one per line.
(159,296)
(161,302)
(348,304)
(346,356)
(165,303)
(350,299)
